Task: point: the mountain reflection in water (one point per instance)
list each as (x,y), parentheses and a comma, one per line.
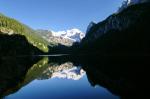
(54,77)
(65,71)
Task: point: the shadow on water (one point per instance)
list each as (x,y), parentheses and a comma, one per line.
(125,76)
(121,75)
(13,71)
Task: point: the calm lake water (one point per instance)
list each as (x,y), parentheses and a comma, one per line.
(48,78)
(56,88)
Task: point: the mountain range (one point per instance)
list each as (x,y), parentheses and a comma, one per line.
(66,38)
(115,34)
(117,50)
(41,39)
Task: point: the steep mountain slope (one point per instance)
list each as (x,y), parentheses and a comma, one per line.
(126,32)
(11,26)
(16,45)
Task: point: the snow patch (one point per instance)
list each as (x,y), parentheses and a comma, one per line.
(127,3)
(74,34)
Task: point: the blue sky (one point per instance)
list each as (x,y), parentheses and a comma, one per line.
(59,14)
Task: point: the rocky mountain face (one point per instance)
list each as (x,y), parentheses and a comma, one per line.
(90,26)
(66,38)
(6,31)
(122,32)
(127,3)
(48,35)
(73,34)
(119,22)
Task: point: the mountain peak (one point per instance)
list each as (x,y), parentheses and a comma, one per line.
(73,34)
(91,24)
(127,3)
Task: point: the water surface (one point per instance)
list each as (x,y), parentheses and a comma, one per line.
(55,77)
(57,88)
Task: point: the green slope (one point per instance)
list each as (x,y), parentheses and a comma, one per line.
(11,26)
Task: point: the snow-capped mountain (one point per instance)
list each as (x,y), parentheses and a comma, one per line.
(47,35)
(127,3)
(73,34)
(131,2)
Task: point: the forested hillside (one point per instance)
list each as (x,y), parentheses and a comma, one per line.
(11,26)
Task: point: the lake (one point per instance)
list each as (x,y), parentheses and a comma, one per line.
(65,77)
(60,88)
(47,78)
